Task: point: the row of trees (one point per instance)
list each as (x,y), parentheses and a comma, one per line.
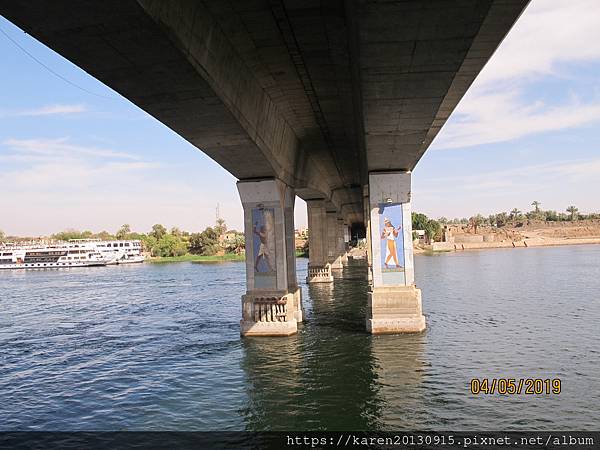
(516,217)
(162,242)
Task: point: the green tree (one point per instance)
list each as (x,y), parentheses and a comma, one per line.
(501,219)
(148,243)
(221,227)
(70,234)
(433,230)
(514,215)
(475,222)
(169,245)
(123,232)
(205,243)
(573,211)
(158,231)
(492,220)
(419,221)
(536,205)
(550,216)
(105,236)
(2,235)
(432,227)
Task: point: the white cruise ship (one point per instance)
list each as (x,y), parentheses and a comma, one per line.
(116,252)
(50,256)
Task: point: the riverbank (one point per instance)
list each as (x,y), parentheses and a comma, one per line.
(196,258)
(539,241)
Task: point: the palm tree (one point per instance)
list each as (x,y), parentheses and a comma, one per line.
(536,205)
(123,231)
(221,226)
(573,211)
(514,214)
(475,221)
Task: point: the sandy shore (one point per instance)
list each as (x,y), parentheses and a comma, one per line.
(525,243)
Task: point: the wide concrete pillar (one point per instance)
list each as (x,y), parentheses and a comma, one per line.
(319,269)
(335,240)
(394,303)
(272,305)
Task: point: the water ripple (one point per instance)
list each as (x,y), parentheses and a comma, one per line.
(158,347)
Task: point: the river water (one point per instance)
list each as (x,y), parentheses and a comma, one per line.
(158,347)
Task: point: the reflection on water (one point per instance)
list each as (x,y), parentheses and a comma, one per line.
(323,378)
(399,368)
(158,347)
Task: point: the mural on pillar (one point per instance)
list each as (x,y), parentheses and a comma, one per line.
(263,233)
(392,243)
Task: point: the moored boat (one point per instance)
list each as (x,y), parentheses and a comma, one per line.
(118,251)
(50,256)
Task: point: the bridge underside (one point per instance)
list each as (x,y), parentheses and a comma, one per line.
(318,98)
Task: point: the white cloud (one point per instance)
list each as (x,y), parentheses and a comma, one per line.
(53,110)
(73,185)
(556,184)
(58,164)
(59,148)
(550,35)
(486,118)
(565,171)
(549,32)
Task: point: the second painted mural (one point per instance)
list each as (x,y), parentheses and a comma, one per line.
(391,234)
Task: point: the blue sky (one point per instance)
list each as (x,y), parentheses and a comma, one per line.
(83,157)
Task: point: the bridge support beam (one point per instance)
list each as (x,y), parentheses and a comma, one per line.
(319,269)
(394,303)
(272,305)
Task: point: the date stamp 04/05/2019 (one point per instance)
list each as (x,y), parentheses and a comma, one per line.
(515,386)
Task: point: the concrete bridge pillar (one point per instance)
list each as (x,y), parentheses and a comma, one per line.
(366,213)
(342,240)
(319,268)
(335,240)
(394,303)
(272,305)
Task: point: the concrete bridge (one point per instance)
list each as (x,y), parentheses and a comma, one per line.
(334,101)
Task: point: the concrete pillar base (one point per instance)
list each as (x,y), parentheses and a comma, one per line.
(248,328)
(337,264)
(395,309)
(270,313)
(319,274)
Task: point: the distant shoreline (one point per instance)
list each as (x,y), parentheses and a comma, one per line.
(229,257)
(442,247)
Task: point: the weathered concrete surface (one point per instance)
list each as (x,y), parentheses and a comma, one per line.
(272,305)
(317,94)
(395,309)
(394,304)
